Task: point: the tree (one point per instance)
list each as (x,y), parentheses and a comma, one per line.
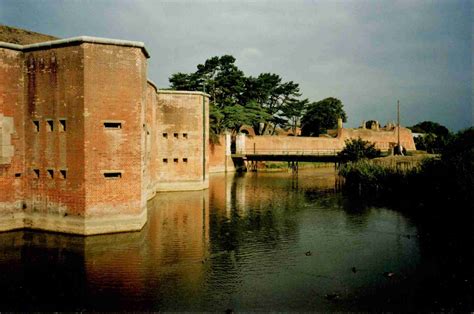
(272,94)
(357,149)
(321,116)
(226,85)
(434,138)
(235,99)
(430,127)
(292,112)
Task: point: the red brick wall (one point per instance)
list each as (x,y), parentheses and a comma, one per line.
(182,148)
(114,91)
(54,90)
(219,155)
(12,106)
(381,139)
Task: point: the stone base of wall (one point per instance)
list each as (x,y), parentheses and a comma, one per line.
(72,224)
(222,167)
(181,186)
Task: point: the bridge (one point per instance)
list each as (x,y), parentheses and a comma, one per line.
(293,157)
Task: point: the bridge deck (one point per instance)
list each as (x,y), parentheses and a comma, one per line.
(289,155)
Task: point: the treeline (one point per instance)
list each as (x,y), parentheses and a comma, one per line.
(265,102)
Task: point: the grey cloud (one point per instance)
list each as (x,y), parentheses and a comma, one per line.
(368,53)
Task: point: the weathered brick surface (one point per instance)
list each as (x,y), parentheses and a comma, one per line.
(12,108)
(220,159)
(114,92)
(54,91)
(182,140)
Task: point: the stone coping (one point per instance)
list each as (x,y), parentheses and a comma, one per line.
(183,92)
(152,84)
(75,40)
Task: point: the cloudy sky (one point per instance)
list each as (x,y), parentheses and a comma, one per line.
(366,53)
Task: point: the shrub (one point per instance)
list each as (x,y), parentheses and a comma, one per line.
(357,149)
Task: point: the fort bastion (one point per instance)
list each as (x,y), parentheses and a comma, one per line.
(86,139)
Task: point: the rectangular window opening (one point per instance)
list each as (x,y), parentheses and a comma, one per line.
(36,173)
(175,135)
(113,125)
(50,173)
(63,174)
(113,175)
(165,135)
(185,159)
(50,125)
(17,175)
(165,160)
(36,125)
(62,125)
(185,135)
(175,160)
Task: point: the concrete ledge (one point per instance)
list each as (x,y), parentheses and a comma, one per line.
(153,85)
(183,92)
(73,224)
(181,186)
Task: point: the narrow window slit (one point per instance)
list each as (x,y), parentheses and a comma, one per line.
(63,174)
(165,160)
(50,173)
(36,125)
(175,160)
(165,135)
(112,175)
(50,125)
(113,125)
(62,125)
(185,159)
(36,172)
(17,175)
(185,135)
(175,135)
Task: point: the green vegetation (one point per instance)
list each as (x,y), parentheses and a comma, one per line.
(357,149)
(265,102)
(445,181)
(321,116)
(434,136)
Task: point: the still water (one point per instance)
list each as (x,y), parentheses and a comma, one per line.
(256,241)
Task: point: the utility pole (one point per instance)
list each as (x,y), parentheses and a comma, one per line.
(400,152)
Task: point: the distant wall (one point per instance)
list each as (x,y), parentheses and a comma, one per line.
(288,143)
(383,140)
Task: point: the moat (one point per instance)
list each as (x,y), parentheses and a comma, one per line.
(254,241)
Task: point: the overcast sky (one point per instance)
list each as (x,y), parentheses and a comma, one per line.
(366,53)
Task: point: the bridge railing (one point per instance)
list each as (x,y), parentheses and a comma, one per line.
(290,152)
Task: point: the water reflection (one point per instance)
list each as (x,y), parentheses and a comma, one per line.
(243,245)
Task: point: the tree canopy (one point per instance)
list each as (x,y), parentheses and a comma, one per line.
(430,127)
(435,136)
(264,102)
(321,116)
